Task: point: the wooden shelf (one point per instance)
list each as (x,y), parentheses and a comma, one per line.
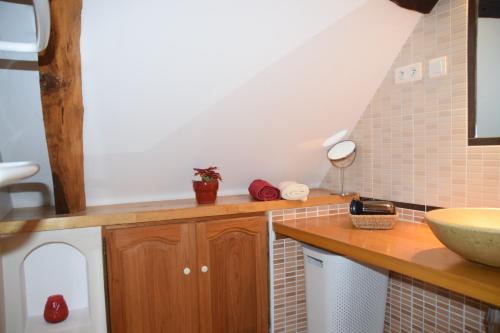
(44,218)
(410,249)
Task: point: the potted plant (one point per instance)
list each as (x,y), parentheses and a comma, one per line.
(206,188)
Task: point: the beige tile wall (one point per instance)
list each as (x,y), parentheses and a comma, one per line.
(410,215)
(289,287)
(412,138)
(289,277)
(412,147)
(416,306)
(412,305)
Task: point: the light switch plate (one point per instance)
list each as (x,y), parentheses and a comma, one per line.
(438,67)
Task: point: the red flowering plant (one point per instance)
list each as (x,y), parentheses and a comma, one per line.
(209,174)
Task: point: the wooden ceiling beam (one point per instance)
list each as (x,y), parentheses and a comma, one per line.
(421,6)
(62,105)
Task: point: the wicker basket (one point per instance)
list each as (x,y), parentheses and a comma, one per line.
(381,222)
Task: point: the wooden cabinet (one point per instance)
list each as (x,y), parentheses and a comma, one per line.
(189,277)
(233,292)
(148,290)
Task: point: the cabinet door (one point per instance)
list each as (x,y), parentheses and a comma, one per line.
(150,289)
(234,289)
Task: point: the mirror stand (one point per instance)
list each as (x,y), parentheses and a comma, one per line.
(342,155)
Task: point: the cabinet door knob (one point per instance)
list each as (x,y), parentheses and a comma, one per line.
(187,271)
(204,269)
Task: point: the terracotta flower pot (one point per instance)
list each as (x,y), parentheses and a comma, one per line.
(56,309)
(206,192)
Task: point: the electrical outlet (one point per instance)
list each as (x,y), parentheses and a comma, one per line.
(400,75)
(408,73)
(414,71)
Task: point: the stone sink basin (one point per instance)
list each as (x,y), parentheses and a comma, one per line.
(473,233)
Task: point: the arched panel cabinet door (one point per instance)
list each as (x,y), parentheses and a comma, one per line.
(233,275)
(152,283)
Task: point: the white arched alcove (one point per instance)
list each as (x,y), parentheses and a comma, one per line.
(55,268)
(39,264)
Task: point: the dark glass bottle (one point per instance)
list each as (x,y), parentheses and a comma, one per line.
(375,207)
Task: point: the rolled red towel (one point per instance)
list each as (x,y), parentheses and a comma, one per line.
(263,191)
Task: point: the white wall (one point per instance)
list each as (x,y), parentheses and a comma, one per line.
(252,87)
(21,122)
(488,77)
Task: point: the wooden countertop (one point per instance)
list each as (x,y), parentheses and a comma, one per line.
(410,249)
(44,218)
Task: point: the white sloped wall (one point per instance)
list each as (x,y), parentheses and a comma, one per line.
(252,87)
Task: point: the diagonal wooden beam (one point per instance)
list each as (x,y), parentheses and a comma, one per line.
(62,104)
(422,6)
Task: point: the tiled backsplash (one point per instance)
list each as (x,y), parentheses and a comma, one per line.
(412,305)
(416,306)
(289,287)
(410,215)
(412,138)
(288,281)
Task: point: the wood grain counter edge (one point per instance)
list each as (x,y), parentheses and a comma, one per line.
(44,219)
(460,284)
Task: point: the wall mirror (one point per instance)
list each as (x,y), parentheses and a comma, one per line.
(484,72)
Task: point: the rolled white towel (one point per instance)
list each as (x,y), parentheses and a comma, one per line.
(293,191)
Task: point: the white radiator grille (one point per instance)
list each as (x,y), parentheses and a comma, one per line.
(343,295)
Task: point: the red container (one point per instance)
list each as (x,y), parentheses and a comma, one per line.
(206,192)
(56,309)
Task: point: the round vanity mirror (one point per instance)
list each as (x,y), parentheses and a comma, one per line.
(341,151)
(342,155)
